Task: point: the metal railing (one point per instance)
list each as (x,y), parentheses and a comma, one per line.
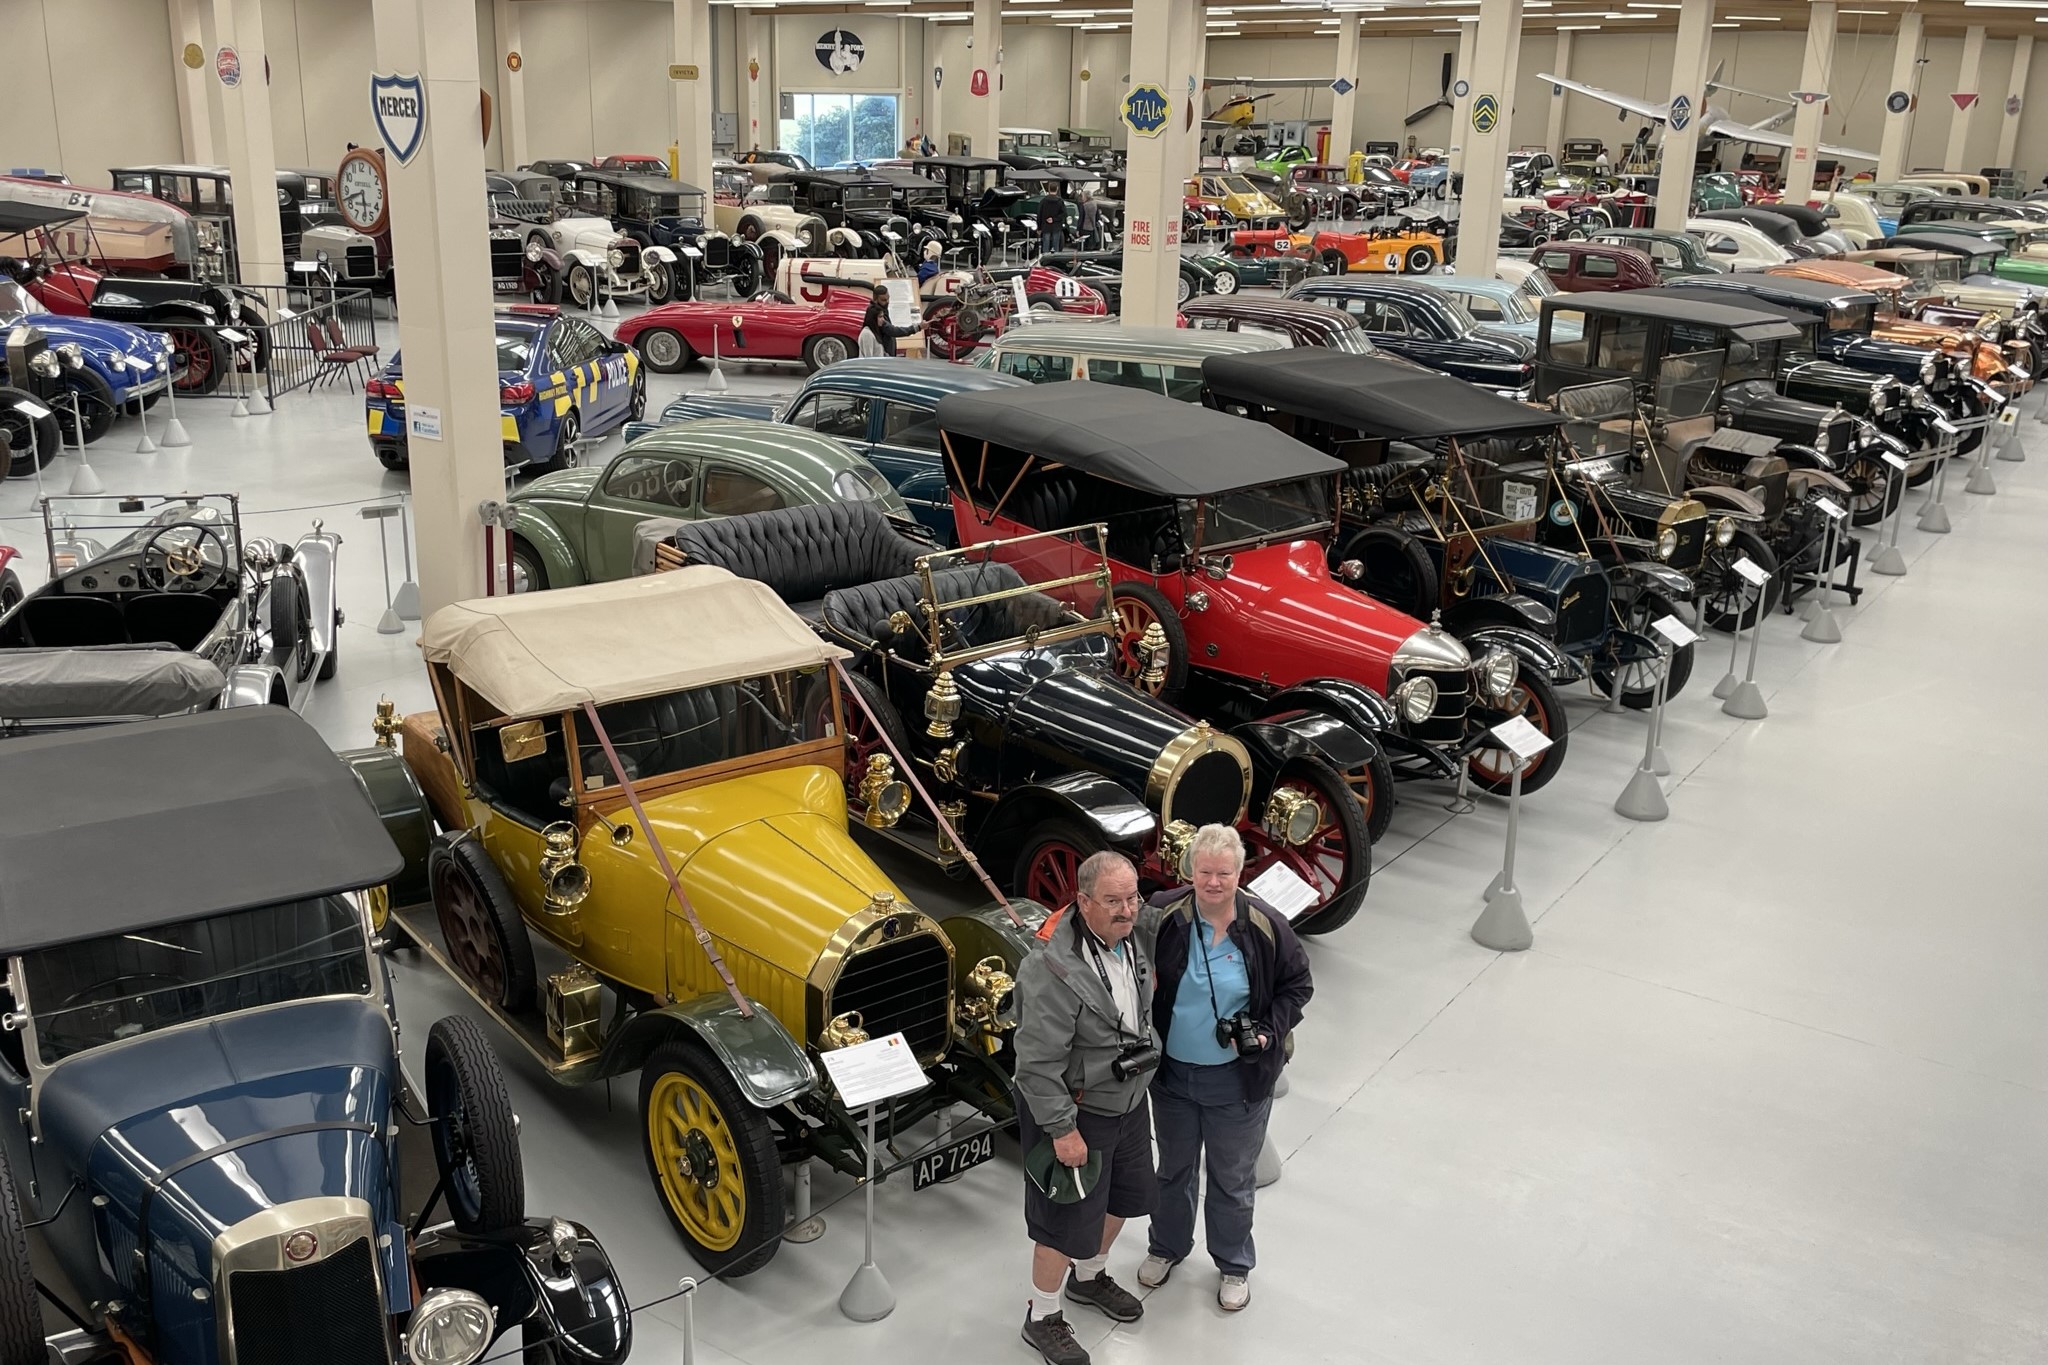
(306,333)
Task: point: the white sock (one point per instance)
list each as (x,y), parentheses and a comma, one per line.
(1090,1268)
(1043,1305)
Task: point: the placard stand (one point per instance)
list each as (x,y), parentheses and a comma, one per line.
(868,1296)
(1889,561)
(2010,449)
(145,446)
(234,340)
(1643,797)
(804,1226)
(1746,700)
(1502,925)
(83,481)
(175,434)
(381,512)
(1729,681)
(1821,626)
(865,1074)
(1980,482)
(1934,516)
(407,602)
(715,381)
(35,412)
(687,1288)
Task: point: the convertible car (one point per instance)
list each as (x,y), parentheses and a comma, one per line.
(770,327)
(1406,249)
(111,367)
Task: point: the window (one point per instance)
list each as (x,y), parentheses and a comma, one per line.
(1183,382)
(909,427)
(1483,309)
(1039,369)
(844,415)
(1622,344)
(828,128)
(573,344)
(729,492)
(662,480)
(1559,261)
(1599,267)
(1567,335)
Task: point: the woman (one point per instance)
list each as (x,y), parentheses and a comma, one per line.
(876,320)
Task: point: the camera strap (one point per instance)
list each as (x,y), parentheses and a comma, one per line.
(1123,1026)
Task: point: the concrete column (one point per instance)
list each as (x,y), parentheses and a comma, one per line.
(983,114)
(692,99)
(1553,130)
(1897,138)
(445,324)
(1461,109)
(1682,145)
(1969,79)
(2009,123)
(1495,43)
(511,113)
(251,152)
(1816,72)
(1344,107)
(756,127)
(1163,34)
(195,114)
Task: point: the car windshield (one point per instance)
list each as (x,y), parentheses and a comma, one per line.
(862,483)
(1237,184)
(1006,594)
(82,530)
(1505,305)
(1276,511)
(108,990)
(677,732)
(1855,317)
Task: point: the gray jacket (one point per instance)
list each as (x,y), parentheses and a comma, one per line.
(1067,1026)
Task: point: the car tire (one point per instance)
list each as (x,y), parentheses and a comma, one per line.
(1397,568)
(690,1107)
(1372,789)
(205,356)
(661,282)
(285,616)
(1543,708)
(582,286)
(746,272)
(1334,262)
(96,409)
(1726,601)
(1137,606)
(1184,289)
(862,739)
(32,442)
(480,925)
(1225,282)
(1338,855)
(664,350)
(526,561)
(21,1311)
(1874,493)
(1648,607)
(826,348)
(636,406)
(566,433)
(474,1131)
(1050,860)
(10,591)
(394,460)
(1420,260)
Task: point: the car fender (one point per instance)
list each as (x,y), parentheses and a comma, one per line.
(394,793)
(1357,705)
(1528,648)
(315,555)
(658,253)
(1636,575)
(1504,609)
(558,557)
(518,1272)
(789,240)
(1733,499)
(1109,809)
(596,260)
(985,930)
(549,257)
(252,685)
(768,1065)
(1304,734)
(846,237)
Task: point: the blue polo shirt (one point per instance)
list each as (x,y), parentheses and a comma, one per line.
(1192,1037)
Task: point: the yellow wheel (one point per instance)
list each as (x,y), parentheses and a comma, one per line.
(712,1158)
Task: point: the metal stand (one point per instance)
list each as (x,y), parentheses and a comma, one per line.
(1461,802)
(1643,797)
(1659,764)
(1889,561)
(2011,449)
(1729,682)
(145,446)
(174,430)
(35,412)
(608,309)
(715,381)
(867,1296)
(83,481)
(388,623)
(1746,701)
(688,1288)
(1822,628)
(804,1226)
(1981,483)
(1933,516)
(1502,925)
(407,602)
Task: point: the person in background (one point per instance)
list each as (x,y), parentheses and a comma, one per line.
(1091,213)
(1233,982)
(1052,221)
(1085,1058)
(931,264)
(876,320)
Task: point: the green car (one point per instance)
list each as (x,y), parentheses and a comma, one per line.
(1675,254)
(1286,159)
(1716,190)
(577,525)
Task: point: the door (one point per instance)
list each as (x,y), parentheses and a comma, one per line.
(635,486)
(908,454)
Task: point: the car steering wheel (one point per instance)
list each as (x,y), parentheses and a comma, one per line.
(183,568)
(92,1024)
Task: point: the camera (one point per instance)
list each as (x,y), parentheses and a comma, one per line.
(1240,1031)
(1134,1059)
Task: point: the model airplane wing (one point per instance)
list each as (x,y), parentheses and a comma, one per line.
(1629,103)
(1268,82)
(1769,137)
(1753,94)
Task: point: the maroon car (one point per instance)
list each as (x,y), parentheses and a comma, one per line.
(1580,267)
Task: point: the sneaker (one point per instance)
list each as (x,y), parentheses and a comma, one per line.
(1234,1293)
(1102,1292)
(1052,1338)
(1155,1271)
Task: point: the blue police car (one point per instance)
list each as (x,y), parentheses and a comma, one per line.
(559,378)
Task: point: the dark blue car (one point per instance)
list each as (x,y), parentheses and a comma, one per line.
(110,366)
(1431,328)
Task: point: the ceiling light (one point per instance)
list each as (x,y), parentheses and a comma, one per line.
(1886,11)
(1578,28)
(1650,4)
(1756,18)
(2004,4)
(1727,26)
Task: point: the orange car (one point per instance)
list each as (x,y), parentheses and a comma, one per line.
(1992,353)
(1398,251)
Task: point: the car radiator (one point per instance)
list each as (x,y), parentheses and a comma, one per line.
(330,1310)
(902,983)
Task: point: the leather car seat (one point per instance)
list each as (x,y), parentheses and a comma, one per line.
(63,622)
(178,619)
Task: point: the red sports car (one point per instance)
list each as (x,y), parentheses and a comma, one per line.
(635,163)
(816,332)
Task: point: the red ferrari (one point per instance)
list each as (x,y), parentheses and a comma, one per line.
(635,163)
(816,332)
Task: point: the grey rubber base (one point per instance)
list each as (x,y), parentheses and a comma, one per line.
(1934,519)
(1729,682)
(1823,629)
(1981,483)
(1746,702)
(1642,799)
(1266,1171)
(867,1296)
(1890,561)
(1502,926)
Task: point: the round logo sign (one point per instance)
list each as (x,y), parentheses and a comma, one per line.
(1462,89)
(840,51)
(513,61)
(2012,104)
(228,63)
(1086,74)
(1144,110)
(1898,101)
(195,56)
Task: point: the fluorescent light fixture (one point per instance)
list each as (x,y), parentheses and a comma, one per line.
(1650,4)
(1756,18)
(1727,26)
(2003,4)
(1578,28)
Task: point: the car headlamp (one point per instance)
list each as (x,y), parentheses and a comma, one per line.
(70,355)
(450,1327)
(1724,531)
(1917,394)
(117,362)
(1496,672)
(616,258)
(533,252)
(1928,369)
(1415,699)
(46,365)
(1667,543)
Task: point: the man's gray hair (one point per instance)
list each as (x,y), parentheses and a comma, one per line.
(1216,839)
(1095,864)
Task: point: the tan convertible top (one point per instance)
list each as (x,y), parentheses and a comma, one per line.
(538,654)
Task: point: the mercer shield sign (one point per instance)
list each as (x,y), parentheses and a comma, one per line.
(399,105)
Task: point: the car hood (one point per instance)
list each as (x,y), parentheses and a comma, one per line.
(101,340)
(563,485)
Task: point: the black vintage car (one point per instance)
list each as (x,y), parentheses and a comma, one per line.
(992,672)
(1301,322)
(1429,327)
(214,1151)
(652,210)
(978,189)
(921,202)
(857,201)
(1445,516)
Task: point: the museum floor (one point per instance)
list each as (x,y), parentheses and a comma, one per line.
(1772,1085)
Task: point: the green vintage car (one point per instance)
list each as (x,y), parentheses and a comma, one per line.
(577,525)
(1716,190)
(1286,159)
(1675,254)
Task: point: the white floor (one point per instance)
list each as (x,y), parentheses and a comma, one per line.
(1772,1086)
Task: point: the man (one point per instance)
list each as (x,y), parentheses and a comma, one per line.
(1085,1056)
(1091,213)
(1233,981)
(876,320)
(1052,221)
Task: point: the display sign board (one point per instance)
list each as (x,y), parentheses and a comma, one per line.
(1522,739)
(398,105)
(1145,109)
(1752,572)
(1676,631)
(879,1069)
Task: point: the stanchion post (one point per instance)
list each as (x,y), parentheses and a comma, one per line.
(1672,636)
(1980,481)
(84,482)
(1889,561)
(234,340)
(175,434)
(381,512)
(687,1287)
(1503,925)
(867,1296)
(1746,702)
(1643,797)
(1731,680)
(407,602)
(1821,626)
(865,1074)
(1933,515)
(35,412)
(145,446)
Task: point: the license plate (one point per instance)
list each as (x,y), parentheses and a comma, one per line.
(948,1162)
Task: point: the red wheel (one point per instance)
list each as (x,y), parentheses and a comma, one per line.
(1049,867)
(480,924)
(1535,699)
(205,357)
(1138,607)
(862,738)
(1335,858)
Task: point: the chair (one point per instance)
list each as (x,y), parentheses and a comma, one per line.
(179,619)
(339,351)
(64,622)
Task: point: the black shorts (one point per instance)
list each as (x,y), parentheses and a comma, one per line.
(1129,1186)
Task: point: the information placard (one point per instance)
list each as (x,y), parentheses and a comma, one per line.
(1283,889)
(1895,460)
(879,1069)
(1832,508)
(1752,572)
(1522,739)
(1676,631)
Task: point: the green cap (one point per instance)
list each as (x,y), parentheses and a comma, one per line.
(1061,1183)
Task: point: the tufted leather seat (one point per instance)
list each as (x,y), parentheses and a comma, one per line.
(668,734)
(856,614)
(803,553)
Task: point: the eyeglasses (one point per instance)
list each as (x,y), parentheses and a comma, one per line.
(1118,902)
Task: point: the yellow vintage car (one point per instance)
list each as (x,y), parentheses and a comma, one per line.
(1237,196)
(645,865)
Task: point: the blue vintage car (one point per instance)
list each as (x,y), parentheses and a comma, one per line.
(1496,305)
(882,408)
(110,366)
(206,1112)
(559,379)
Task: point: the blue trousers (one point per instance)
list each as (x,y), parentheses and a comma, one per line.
(1200,1118)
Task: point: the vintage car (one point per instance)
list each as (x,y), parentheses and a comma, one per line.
(209,1119)
(927,214)
(881,409)
(577,526)
(1299,321)
(1027,148)
(1411,320)
(1165,360)
(1960,276)
(857,206)
(977,189)
(769,218)
(1496,305)
(1199,273)
(1738,246)
(1991,340)
(639,163)
(119,234)
(1443,519)
(559,380)
(1240,201)
(1815,226)
(1283,160)
(1219,534)
(1398,248)
(104,368)
(1787,227)
(587,258)
(641,788)
(178,613)
(1672,254)
(772,161)
(993,672)
(648,206)
(11,590)
(1579,267)
(1855,216)
(1324,193)
(767,327)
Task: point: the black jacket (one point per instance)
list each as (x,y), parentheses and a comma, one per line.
(876,320)
(1052,214)
(1275,966)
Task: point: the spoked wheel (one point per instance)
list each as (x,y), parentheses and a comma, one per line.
(712,1158)
(1049,865)
(1321,839)
(1873,491)
(664,350)
(205,356)
(1372,787)
(582,286)
(1138,606)
(1727,601)
(1535,700)
(863,739)
(476,1137)
(96,411)
(480,924)
(1639,677)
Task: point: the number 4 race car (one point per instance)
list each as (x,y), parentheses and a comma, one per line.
(559,379)
(1400,250)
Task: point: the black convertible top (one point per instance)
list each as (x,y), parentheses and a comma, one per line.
(1669,303)
(18,216)
(1143,440)
(1369,394)
(126,827)
(1956,243)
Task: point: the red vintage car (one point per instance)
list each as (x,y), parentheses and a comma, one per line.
(814,332)
(634,163)
(1218,535)
(1595,267)
(1409,249)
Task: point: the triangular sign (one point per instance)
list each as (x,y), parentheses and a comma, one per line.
(1963,101)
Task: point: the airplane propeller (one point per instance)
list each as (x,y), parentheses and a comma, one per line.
(1443,99)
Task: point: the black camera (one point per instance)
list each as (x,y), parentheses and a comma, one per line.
(1240,1031)
(1134,1059)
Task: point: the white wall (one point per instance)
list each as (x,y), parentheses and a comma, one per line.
(88,85)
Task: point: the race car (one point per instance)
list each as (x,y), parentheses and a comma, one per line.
(559,379)
(1406,249)
(820,328)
